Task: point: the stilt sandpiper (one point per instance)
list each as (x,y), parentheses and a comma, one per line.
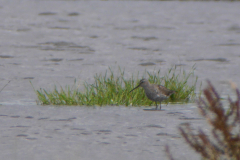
(154,92)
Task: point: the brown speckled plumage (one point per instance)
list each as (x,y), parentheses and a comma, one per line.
(154,92)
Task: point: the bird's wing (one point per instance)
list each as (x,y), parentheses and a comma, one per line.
(165,91)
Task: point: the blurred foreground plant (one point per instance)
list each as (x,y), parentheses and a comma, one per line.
(225,133)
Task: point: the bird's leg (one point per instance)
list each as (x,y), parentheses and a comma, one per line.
(156,106)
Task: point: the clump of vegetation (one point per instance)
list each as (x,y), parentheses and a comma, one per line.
(112,89)
(225,134)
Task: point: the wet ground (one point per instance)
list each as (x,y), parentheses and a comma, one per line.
(54,42)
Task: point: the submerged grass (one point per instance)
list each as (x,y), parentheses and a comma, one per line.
(112,89)
(5,86)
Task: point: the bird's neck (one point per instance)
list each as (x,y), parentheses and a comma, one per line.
(147,86)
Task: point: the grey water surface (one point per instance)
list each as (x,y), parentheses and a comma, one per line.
(55,42)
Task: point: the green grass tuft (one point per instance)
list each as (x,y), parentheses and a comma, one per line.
(112,89)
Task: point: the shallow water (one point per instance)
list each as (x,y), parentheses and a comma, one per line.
(47,132)
(51,45)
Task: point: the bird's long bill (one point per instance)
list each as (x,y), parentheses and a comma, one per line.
(134,88)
